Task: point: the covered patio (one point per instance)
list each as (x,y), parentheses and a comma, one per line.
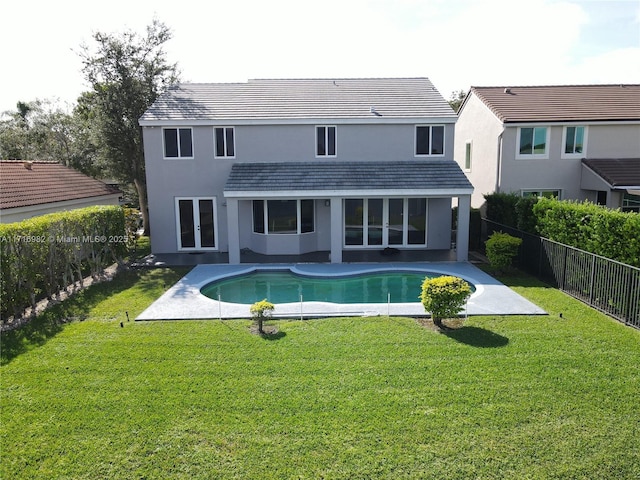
(249,257)
(396,208)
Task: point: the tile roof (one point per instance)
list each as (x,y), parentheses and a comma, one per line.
(45,182)
(338,98)
(617,172)
(562,103)
(340,176)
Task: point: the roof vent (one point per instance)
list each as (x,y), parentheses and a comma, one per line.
(507,90)
(28,165)
(375,112)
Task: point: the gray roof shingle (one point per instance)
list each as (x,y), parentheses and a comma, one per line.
(562,103)
(300,99)
(617,172)
(342,176)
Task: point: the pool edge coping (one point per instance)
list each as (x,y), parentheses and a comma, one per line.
(183,301)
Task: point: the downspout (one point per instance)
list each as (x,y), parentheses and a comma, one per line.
(499,163)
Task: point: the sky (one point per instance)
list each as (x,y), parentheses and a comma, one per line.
(455,43)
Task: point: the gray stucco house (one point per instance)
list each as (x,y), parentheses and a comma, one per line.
(296,166)
(579,142)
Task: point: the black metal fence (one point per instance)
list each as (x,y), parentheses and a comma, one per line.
(606,285)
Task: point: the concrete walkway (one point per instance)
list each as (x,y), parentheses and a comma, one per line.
(184,300)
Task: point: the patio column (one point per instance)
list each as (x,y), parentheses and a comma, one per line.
(336,230)
(462,236)
(233,231)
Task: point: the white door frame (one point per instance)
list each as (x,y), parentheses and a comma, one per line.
(195,204)
(385,224)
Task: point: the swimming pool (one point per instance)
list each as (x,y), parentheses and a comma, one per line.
(285,286)
(184,300)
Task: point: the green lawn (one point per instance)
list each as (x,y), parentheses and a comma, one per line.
(352,398)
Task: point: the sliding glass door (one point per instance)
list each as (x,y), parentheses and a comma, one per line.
(385,222)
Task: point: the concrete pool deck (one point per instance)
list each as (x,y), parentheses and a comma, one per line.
(183,301)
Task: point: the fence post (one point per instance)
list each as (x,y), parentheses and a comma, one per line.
(592,279)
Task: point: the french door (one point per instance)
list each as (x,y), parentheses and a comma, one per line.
(196,223)
(385,222)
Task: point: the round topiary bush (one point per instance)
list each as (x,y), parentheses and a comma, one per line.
(444,297)
(261,311)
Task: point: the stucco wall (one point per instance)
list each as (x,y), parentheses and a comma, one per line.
(614,141)
(205,176)
(478,125)
(553,173)
(439,224)
(564,174)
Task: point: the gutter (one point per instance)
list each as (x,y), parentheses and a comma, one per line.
(499,163)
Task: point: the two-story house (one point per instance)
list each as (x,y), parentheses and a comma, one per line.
(578,142)
(296,166)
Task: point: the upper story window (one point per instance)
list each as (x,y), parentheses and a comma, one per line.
(533,142)
(467,157)
(224,138)
(326,141)
(430,140)
(574,141)
(178,142)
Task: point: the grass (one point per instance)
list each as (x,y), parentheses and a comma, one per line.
(502,397)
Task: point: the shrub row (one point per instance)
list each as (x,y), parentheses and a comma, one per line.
(596,229)
(610,233)
(43,255)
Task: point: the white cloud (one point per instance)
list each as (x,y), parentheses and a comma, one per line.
(456,43)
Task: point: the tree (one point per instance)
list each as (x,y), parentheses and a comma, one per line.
(456,99)
(127,72)
(444,297)
(261,311)
(37,130)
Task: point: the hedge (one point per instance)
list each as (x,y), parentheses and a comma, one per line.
(596,229)
(43,255)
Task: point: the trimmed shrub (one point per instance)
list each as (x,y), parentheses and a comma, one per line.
(43,255)
(260,312)
(501,208)
(501,248)
(443,297)
(610,233)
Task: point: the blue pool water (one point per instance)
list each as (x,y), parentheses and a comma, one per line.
(287,287)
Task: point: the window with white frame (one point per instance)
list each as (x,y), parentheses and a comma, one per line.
(224,138)
(178,142)
(326,141)
(574,141)
(630,203)
(429,140)
(283,216)
(467,157)
(533,142)
(541,193)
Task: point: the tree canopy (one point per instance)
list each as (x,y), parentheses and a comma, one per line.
(456,99)
(37,130)
(126,72)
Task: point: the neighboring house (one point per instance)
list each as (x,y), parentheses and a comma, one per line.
(29,189)
(298,166)
(578,142)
